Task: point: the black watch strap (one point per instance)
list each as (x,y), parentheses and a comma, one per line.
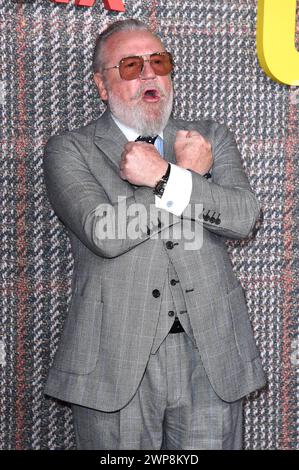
(160,186)
(206,175)
(166,176)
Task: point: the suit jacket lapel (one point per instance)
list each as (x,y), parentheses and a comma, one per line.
(169,139)
(109,138)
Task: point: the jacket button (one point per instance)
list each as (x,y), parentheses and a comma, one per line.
(212,219)
(171,313)
(169,245)
(173,282)
(156,293)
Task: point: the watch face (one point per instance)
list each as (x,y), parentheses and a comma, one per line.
(159,189)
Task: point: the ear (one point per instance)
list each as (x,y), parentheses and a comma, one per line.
(100,86)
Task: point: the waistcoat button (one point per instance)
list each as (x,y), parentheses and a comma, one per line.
(156,293)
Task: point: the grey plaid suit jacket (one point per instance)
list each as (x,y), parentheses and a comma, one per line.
(113,314)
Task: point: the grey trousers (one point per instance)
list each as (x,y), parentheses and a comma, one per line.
(174,407)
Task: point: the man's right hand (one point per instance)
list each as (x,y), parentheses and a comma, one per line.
(193,151)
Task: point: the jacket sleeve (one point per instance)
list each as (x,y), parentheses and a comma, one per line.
(81,203)
(230,208)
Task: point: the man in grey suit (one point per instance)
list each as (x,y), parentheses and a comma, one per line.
(157,351)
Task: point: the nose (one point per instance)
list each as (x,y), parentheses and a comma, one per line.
(147,71)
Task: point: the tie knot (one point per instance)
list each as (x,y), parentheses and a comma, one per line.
(148,139)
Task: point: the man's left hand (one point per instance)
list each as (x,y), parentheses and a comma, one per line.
(193,151)
(141,164)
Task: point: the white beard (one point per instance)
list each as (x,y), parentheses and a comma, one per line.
(148,119)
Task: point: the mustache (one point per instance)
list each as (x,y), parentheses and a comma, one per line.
(148,86)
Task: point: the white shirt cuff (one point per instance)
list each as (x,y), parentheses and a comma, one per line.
(177,193)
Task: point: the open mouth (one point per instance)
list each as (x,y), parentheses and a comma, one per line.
(151,94)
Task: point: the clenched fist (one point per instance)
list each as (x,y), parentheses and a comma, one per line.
(193,151)
(141,164)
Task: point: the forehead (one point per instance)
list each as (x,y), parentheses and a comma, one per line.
(127,43)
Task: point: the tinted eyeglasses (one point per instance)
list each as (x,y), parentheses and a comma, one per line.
(131,67)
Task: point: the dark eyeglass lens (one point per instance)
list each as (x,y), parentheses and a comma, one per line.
(161,64)
(130,67)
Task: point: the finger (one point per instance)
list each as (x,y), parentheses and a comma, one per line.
(123,156)
(193,133)
(122,175)
(128,146)
(199,138)
(181,135)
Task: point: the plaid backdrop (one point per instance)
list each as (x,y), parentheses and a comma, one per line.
(46,86)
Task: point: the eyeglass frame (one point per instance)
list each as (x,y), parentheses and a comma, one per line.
(144,60)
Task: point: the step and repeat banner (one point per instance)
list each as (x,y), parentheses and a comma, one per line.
(46,87)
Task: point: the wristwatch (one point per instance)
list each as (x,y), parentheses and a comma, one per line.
(160,186)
